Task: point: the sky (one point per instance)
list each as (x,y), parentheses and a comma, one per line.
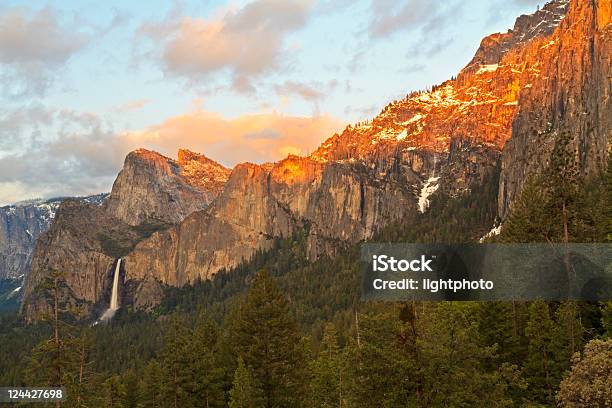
(82,83)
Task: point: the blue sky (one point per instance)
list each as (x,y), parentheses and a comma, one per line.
(84,82)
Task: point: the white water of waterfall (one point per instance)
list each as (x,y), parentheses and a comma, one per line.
(114,303)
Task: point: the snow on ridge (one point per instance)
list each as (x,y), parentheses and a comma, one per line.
(430,187)
(413,119)
(402,135)
(487,68)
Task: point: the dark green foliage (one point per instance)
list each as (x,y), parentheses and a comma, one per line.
(450,220)
(429,356)
(244,392)
(526,221)
(151,394)
(175,363)
(132,395)
(327,372)
(206,375)
(264,334)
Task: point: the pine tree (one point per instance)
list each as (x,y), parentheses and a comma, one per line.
(570,332)
(151,386)
(382,368)
(175,363)
(562,180)
(326,372)
(205,378)
(244,392)
(53,362)
(266,336)
(501,325)
(454,364)
(541,364)
(524,223)
(80,382)
(131,395)
(113,392)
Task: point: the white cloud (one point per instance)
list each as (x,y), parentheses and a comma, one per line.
(33,45)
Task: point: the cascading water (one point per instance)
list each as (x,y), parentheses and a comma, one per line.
(114,303)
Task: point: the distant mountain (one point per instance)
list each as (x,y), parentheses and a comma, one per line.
(499,119)
(20,226)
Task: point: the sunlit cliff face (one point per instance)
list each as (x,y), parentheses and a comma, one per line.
(202,172)
(295,170)
(480,104)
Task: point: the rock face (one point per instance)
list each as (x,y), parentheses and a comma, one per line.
(155,187)
(20,226)
(72,244)
(337,202)
(150,193)
(568,95)
(548,74)
(542,23)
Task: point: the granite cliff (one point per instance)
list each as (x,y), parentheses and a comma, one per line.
(550,74)
(20,226)
(154,187)
(151,193)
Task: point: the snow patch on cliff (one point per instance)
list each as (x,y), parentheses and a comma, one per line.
(430,187)
(496,230)
(487,68)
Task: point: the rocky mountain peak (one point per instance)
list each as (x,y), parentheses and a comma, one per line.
(153,187)
(542,23)
(479,105)
(202,172)
(186,155)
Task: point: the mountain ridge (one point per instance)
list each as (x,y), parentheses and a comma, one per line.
(442,142)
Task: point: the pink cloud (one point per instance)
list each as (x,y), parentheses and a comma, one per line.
(255,138)
(245,42)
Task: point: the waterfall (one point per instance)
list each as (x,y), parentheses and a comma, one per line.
(114,303)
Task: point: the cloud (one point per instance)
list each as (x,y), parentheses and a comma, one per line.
(76,154)
(132,105)
(389,16)
(255,138)
(412,68)
(22,125)
(33,45)
(245,43)
(79,157)
(266,133)
(305,91)
(429,48)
